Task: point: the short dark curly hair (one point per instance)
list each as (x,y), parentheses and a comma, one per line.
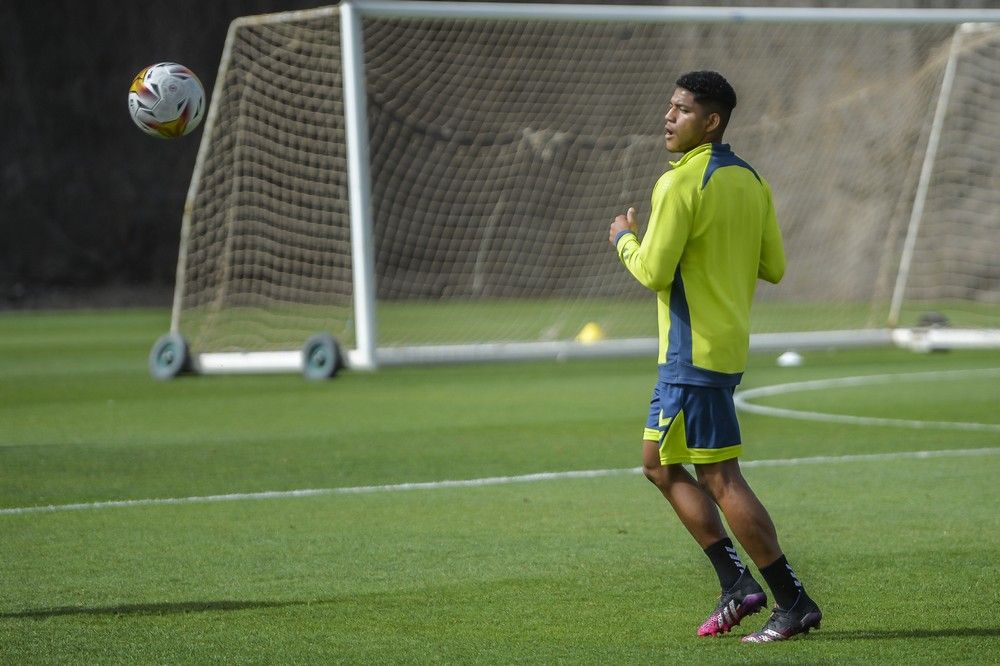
(711,90)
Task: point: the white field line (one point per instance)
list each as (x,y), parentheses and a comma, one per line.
(743,397)
(488,481)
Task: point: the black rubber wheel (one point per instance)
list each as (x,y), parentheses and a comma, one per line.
(321,358)
(933,320)
(169,357)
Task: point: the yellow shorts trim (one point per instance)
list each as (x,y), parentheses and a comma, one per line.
(651,434)
(703,456)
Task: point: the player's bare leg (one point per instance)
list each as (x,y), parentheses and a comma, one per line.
(692,505)
(741,595)
(796,613)
(748,519)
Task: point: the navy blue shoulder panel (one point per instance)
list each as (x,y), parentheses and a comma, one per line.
(723,156)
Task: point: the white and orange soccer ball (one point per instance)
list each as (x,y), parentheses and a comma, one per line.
(166,100)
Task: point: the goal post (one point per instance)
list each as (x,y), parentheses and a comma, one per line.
(932,271)
(432,182)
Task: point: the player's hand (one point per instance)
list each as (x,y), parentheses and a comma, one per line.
(622,223)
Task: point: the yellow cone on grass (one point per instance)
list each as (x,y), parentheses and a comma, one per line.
(591,332)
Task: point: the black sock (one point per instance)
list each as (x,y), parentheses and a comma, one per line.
(783,582)
(727,563)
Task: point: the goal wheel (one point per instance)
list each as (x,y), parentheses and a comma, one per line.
(321,358)
(933,320)
(169,357)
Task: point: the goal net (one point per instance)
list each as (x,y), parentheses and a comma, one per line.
(492,152)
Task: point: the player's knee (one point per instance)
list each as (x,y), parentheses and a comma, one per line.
(654,474)
(662,476)
(714,486)
(651,468)
(719,479)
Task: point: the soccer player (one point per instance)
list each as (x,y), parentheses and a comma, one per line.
(712,233)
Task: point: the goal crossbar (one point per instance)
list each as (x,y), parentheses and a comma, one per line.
(665,14)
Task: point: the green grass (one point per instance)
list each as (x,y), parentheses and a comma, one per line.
(972,397)
(444,321)
(901,553)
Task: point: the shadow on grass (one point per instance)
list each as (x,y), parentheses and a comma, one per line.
(181,607)
(885,634)
(165,608)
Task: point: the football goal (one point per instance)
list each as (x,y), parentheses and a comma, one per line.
(387,182)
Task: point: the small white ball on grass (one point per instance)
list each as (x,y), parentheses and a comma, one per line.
(790,359)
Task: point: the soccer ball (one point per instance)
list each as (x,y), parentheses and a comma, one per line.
(166,100)
(790,359)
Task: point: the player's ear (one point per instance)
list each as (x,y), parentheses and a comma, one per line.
(713,122)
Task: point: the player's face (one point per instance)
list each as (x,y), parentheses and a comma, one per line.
(687,123)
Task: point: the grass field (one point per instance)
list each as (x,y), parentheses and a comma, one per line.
(901,551)
(448,321)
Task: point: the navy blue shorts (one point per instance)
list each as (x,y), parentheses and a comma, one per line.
(693,424)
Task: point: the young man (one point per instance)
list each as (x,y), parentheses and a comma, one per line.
(712,233)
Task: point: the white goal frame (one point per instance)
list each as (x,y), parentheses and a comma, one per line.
(367,355)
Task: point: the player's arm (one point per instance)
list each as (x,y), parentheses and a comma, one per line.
(654,260)
(772,250)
